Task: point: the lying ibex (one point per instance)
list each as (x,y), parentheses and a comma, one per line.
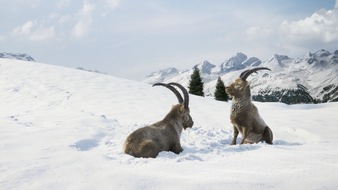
(244,114)
(164,135)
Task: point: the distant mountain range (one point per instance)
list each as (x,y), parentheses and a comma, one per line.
(312,78)
(19,56)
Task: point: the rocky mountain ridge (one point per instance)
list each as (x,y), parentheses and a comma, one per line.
(18,56)
(312,78)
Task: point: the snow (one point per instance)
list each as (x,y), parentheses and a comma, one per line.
(63,128)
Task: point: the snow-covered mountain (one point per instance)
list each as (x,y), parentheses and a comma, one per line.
(18,56)
(237,62)
(311,78)
(161,75)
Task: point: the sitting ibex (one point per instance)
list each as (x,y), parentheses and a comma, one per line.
(164,135)
(244,114)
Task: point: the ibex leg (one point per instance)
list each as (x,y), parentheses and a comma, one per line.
(267,135)
(233,142)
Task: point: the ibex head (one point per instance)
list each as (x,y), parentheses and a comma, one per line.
(241,88)
(181,111)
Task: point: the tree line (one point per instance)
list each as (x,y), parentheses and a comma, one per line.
(196,86)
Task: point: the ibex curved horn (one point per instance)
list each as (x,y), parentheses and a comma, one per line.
(247,73)
(173,89)
(185,93)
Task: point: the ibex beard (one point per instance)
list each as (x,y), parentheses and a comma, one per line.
(244,114)
(164,135)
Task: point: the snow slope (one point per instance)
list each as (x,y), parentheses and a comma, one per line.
(64,128)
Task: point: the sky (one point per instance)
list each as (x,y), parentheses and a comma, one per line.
(132,38)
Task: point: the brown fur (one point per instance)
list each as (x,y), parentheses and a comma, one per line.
(164,135)
(245,117)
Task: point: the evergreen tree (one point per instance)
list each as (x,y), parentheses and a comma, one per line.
(220,93)
(195,83)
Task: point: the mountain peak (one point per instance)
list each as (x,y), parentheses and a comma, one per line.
(252,61)
(281,57)
(240,57)
(321,53)
(205,67)
(279,60)
(322,58)
(204,62)
(18,56)
(234,63)
(159,76)
(165,72)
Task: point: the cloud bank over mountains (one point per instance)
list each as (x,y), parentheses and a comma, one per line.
(106,34)
(321,26)
(317,30)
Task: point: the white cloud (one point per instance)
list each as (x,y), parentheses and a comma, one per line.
(86,10)
(336,6)
(60,4)
(2,38)
(45,28)
(34,31)
(258,32)
(63,19)
(41,34)
(25,29)
(108,5)
(113,4)
(319,30)
(82,26)
(321,26)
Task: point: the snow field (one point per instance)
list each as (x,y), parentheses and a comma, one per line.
(63,128)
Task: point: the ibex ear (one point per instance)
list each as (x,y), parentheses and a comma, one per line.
(182,109)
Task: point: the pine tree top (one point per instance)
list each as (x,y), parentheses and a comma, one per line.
(220,93)
(196,84)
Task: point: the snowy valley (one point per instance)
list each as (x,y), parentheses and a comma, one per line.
(311,78)
(63,128)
